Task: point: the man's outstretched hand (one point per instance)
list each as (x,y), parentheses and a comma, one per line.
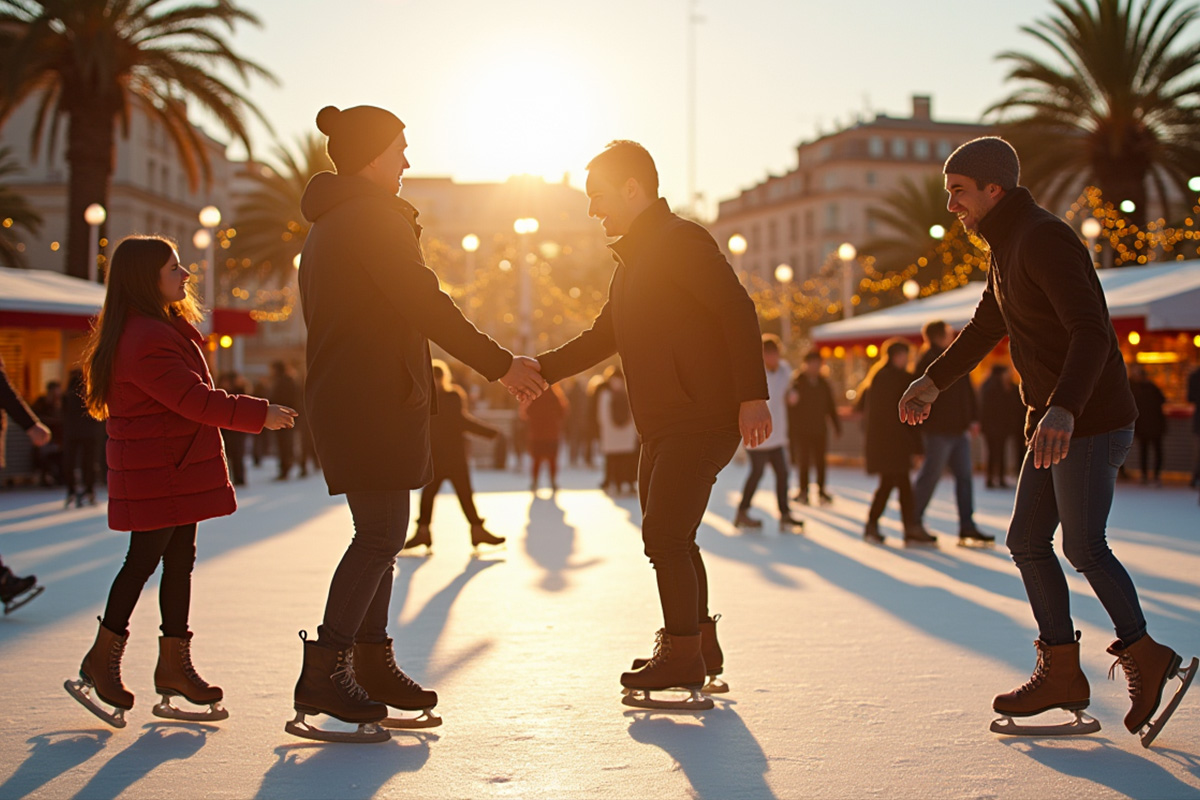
(524,379)
(918,400)
(754,421)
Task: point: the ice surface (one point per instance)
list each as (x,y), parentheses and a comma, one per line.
(855,671)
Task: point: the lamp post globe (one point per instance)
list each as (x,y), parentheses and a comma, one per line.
(94,215)
(210,216)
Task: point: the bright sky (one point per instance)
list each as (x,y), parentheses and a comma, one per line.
(490,88)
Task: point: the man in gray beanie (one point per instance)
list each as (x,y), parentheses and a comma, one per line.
(1042,292)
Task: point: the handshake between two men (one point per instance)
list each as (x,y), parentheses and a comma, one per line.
(524,379)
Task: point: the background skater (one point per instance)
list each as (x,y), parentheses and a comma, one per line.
(693,394)
(1043,293)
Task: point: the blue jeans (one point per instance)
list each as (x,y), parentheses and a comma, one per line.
(942,451)
(758,464)
(361,590)
(1077,492)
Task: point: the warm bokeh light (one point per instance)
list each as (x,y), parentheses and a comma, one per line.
(226,342)
(839,352)
(937,231)
(1091,228)
(296,261)
(784,273)
(95,214)
(847,252)
(1128,206)
(1194,183)
(209,216)
(1196,340)
(470,243)
(737,244)
(525,225)
(911,289)
(872,351)
(1135,338)
(202,239)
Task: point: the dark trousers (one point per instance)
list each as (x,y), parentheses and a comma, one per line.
(809,450)
(997,457)
(235,455)
(887,482)
(361,589)
(675,478)
(544,452)
(175,547)
(944,452)
(1145,445)
(79,451)
(758,464)
(1076,492)
(285,444)
(460,479)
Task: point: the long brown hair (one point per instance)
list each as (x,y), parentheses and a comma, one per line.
(886,351)
(133,287)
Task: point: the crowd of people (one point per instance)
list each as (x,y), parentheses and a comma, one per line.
(666,422)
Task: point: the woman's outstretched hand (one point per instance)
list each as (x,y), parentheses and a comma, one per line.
(524,379)
(279,417)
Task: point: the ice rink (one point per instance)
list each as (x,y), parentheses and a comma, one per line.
(856,671)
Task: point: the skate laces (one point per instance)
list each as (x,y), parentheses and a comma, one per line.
(185,662)
(389,660)
(1039,672)
(117,651)
(344,676)
(662,646)
(1129,666)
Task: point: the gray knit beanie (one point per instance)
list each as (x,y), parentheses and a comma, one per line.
(989,159)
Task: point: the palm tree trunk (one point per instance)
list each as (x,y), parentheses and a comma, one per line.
(91,155)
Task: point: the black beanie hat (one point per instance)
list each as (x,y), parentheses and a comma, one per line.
(989,159)
(357,135)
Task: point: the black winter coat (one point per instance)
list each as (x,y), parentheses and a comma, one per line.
(370,305)
(1151,421)
(955,408)
(686,330)
(448,431)
(890,443)
(1193,395)
(1043,293)
(814,405)
(1001,412)
(15,406)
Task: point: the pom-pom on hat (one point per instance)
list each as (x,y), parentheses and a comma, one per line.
(358,135)
(988,159)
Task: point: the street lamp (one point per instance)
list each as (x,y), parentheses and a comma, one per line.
(847,253)
(737,246)
(911,289)
(524,227)
(937,231)
(94,215)
(784,274)
(1194,183)
(1090,229)
(470,243)
(210,218)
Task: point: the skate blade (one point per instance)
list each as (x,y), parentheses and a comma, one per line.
(82,693)
(977,545)
(13,605)
(367,733)
(1081,725)
(426,719)
(715,686)
(1185,676)
(643,698)
(166,710)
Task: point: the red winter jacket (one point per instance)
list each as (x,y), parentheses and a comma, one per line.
(166,460)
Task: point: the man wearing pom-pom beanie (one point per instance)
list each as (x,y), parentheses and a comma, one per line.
(370,306)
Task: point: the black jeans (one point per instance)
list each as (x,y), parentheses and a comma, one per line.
(758,464)
(887,482)
(997,457)
(461,481)
(1146,444)
(361,589)
(675,479)
(175,547)
(79,451)
(235,455)
(285,444)
(810,449)
(1077,492)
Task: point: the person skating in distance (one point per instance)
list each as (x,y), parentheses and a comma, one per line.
(371,306)
(1042,292)
(16,591)
(146,375)
(689,342)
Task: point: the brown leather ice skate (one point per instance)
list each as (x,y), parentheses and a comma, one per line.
(1057,682)
(174,676)
(376,671)
(327,685)
(101,672)
(714,659)
(1148,666)
(677,664)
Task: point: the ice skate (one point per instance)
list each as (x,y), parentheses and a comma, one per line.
(174,676)
(744,520)
(1149,666)
(714,659)
(377,673)
(871,534)
(481,536)
(16,592)
(677,666)
(327,686)
(973,537)
(915,535)
(100,672)
(789,524)
(1057,683)
(824,497)
(422,538)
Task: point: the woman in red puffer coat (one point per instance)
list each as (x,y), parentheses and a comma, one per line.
(146,375)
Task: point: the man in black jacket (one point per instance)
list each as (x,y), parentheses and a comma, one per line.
(15,591)
(1042,291)
(811,409)
(690,345)
(946,436)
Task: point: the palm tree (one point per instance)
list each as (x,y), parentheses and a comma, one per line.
(15,212)
(270,230)
(1115,106)
(909,213)
(87,61)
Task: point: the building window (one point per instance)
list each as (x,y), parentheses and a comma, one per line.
(921,149)
(793,229)
(872,178)
(875,147)
(809,222)
(772,235)
(151,173)
(831,217)
(831,181)
(944,149)
(899,148)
